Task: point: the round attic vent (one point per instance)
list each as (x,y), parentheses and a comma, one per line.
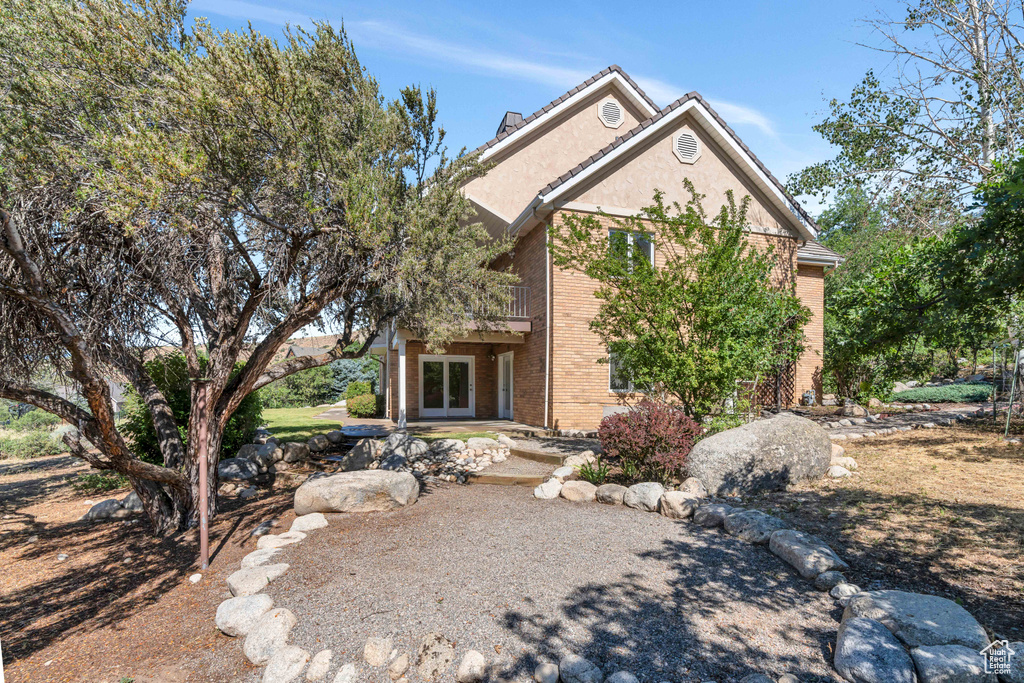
(687,147)
(610,112)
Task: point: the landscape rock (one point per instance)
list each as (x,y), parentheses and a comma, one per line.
(1016,674)
(472,668)
(678,504)
(761,455)
(237,616)
(377,650)
(404,445)
(236,469)
(837,472)
(434,656)
(826,581)
(295,452)
(844,591)
(361,491)
(837,450)
(360,457)
(268,635)
(104,510)
(448,446)
(950,664)
(580,459)
(610,494)
(347,674)
(546,672)
(626,677)
(335,436)
(319,666)
(752,526)
(807,554)
(285,665)
(132,503)
(279,540)
(576,669)
(481,443)
(398,666)
(713,515)
(844,461)
(695,486)
(919,620)
(251,581)
(394,462)
(644,496)
(318,444)
(578,491)
(268,451)
(506,442)
(310,522)
(549,490)
(854,410)
(247,451)
(247,493)
(756,678)
(563,473)
(867,652)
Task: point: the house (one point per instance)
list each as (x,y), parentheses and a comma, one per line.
(602,146)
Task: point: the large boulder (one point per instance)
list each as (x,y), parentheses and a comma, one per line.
(103,510)
(295,452)
(764,454)
(919,620)
(950,664)
(404,445)
(866,652)
(132,503)
(363,491)
(268,635)
(236,469)
(361,456)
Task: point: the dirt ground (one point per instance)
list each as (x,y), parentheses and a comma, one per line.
(121,606)
(933,511)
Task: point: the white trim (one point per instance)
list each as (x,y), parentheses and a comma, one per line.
(401,385)
(446,411)
(703,116)
(547,323)
(629,390)
(614,77)
(631,241)
(512,384)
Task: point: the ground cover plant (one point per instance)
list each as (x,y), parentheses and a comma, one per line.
(947,393)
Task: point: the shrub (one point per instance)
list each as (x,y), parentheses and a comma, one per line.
(652,439)
(948,393)
(34,420)
(100,482)
(359,388)
(348,370)
(32,445)
(171,376)
(362,406)
(307,388)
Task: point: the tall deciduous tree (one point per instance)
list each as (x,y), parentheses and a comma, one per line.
(715,311)
(215,192)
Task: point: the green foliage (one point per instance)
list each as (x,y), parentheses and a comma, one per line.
(348,370)
(307,388)
(359,388)
(34,420)
(362,406)
(32,445)
(595,472)
(654,437)
(947,393)
(100,482)
(170,374)
(715,314)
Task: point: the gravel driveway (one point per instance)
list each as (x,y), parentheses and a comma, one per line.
(522,580)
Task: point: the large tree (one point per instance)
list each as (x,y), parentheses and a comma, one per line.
(714,311)
(214,192)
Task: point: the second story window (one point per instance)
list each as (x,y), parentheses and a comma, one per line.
(630,246)
(617,379)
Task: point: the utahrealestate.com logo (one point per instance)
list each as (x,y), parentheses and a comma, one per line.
(998,656)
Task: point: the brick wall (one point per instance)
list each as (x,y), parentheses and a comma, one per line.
(485,388)
(810,287)
(580,390)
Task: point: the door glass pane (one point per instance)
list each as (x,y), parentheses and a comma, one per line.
(508,384)
(644,248)
(458,384)
(433,384)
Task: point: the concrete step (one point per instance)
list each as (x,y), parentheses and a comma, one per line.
(539,456)
(530,480)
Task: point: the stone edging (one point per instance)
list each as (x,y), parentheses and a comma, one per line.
(885,636)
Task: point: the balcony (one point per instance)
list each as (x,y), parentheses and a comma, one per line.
(519,303)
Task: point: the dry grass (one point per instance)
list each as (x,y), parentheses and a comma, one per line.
(938,511)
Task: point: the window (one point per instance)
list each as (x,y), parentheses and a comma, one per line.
(617,382)
(628,245)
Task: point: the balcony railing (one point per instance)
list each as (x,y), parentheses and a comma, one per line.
(519,302)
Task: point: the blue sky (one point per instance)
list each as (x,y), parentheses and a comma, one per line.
(767,67)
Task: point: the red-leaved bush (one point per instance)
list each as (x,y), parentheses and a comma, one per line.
(652,439)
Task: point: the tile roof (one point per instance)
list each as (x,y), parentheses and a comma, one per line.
(619,141)
(513,127)
(817,251)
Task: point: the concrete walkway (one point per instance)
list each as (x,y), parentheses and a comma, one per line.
(903,422)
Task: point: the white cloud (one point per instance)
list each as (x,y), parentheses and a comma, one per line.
(734,114)
(247,10)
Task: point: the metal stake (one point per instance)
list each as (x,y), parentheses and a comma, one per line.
(1013,388)
(204,498)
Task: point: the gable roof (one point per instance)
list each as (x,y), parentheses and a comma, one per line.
(513,128)
(714,125)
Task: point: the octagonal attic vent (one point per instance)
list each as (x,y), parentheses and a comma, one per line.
(610,112)
(687,147)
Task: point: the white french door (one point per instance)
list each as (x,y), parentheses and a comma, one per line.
(505,386)
(447,386)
